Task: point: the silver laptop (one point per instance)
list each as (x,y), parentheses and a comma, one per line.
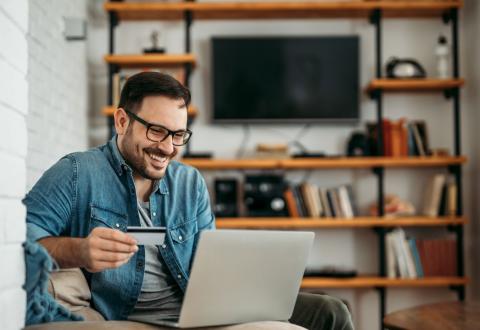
(242,276)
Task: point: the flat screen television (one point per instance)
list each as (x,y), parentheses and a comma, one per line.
(285,79)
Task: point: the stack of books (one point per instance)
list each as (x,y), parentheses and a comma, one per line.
(400,138)
(412,258)
(441,196)
(308,200)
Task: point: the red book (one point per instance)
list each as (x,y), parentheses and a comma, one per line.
(396,142)
(403,137)
(451,260)
(387,137)
(291,204)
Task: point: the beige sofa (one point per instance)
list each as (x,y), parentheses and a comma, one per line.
(70,289)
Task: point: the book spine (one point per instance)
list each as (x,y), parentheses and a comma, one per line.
(316,201)
(298,201)
(412,147)
(325,205)
(387,137)
(291,204)
(452,199)
(345,202)
(442,207)
(331,202)
(418,140)
(416,257)
(412,273)
(338,206)
(400,253)
(390,255)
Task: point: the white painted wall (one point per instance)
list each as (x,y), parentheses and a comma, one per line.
(58,94)
(351,248)
(13,154)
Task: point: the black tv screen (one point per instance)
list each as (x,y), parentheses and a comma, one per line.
(285,79)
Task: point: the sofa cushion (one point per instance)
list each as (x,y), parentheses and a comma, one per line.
(70,288)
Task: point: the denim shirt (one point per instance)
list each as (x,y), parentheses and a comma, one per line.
(96,188)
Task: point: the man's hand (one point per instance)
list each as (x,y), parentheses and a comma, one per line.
(106,248)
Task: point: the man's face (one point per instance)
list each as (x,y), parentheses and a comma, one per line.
(147,158)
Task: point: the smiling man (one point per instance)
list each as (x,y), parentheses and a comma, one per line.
(80,209)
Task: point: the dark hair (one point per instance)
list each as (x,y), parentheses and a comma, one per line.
(145,84)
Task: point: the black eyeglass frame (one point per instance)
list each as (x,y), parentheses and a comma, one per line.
(170,132)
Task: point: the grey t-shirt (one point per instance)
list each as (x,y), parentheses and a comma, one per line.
(160,294)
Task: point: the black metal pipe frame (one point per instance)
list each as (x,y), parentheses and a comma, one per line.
(188,43)
(188,66)
(376,20)
(458,150)
(112,69)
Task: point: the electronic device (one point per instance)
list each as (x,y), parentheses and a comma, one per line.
(404,68)
(241,276)
(358,145)
(226,197)
(205,154)
(263,195)
(330,271)
(285,79)
(309,154)
(147,235)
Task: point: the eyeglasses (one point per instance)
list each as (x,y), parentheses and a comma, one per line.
(159,133)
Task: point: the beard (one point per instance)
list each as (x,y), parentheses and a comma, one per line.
(135,157)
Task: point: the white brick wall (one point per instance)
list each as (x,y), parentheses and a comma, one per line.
(57,78)
(13,153)
(45,105)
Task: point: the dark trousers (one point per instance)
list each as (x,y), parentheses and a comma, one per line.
(321,312)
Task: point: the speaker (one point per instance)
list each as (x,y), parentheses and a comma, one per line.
(263,195)
(226,196)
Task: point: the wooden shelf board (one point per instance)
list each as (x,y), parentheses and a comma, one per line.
(358,222)
(325,163)
(150,60)
(109,110)
(279,10)
(372,282)
(414,84)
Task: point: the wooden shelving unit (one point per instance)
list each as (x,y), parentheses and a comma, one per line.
(414,85)
(109,110)
(375,11)
(326,223)
(278,10)
(322,163)
(381,282)
(150,60)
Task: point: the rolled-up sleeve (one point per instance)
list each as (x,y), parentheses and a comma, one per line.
(51,201)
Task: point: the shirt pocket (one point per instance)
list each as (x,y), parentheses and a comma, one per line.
(184,232)
(104,217)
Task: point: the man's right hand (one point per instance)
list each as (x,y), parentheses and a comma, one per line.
(106,248)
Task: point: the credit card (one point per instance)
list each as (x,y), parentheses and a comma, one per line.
(147,235)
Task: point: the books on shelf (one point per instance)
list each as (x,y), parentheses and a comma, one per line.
(441,196)
(308,200)
(416,258)
(400,138)
(119,79)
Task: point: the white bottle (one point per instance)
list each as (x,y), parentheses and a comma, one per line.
(442,52)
